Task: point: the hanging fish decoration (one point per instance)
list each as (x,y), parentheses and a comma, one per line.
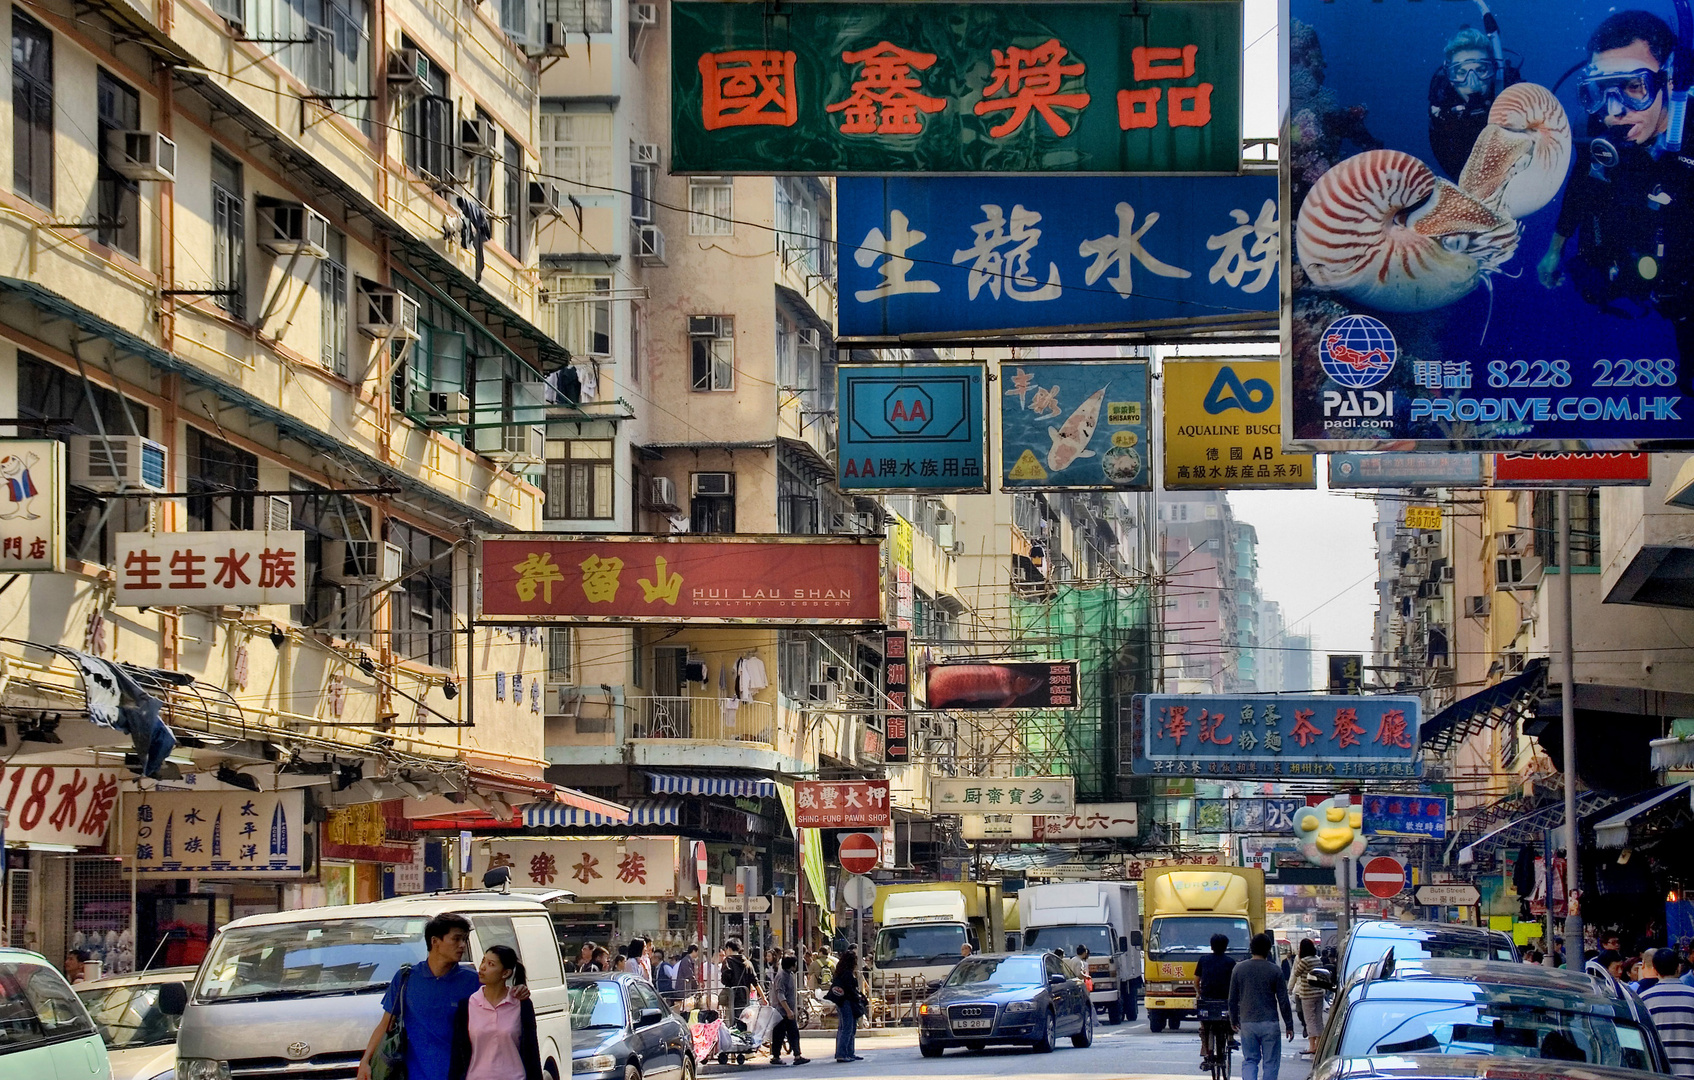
(279,831)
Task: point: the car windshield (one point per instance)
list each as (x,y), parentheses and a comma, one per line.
(1098,939)
(340,956)
(1498,1029)
(913,945)
(1006,971)
(1173,938)
(1413,945)
(145,1014)
(596,1004)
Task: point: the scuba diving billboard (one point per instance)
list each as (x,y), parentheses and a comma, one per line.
(1489,226)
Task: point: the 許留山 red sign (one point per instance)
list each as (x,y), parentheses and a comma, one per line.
(681,579)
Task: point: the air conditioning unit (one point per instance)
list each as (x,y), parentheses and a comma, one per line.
(956,549)
(117,462)
(1517,572)
(360,562)
(407,71)
(1430,540)
(944,535)
(440,404)
(141,155)
(543,197)
(279,513)
(1429,590)
(644,153)
(1506,543)
(386,312)
(711,483)
(1478,607)
(1512,662)
(1447,575)
(554,40)
(644,14)
(649,245)
(478,137)
(291,228)
(516,444)
(820,691)
(661,494)
(831,673)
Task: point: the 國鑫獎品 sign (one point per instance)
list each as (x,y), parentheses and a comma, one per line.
(1290,736)
(955,88)
(680,579)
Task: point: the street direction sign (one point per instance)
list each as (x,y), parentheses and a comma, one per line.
(859,892)
(1448,895)
(860,853)
(1384,877)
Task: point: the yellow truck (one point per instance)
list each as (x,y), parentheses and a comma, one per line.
(1182,907)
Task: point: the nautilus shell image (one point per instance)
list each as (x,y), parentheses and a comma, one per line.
(1381,228)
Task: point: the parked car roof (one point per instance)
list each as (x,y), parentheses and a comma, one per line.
(422,905)
(140,978)
(1470,1067)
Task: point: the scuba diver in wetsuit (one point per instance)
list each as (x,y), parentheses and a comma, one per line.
(1630,200)
(1463,89)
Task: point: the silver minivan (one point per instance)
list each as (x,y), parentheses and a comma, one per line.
(295,995)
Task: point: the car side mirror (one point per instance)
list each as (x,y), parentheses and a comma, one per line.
(649,1017)
(1056,980)
(1322,978)
(1135,938)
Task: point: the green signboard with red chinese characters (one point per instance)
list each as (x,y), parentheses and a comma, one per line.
(986,87)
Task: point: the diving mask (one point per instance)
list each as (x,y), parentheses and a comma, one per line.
(1471,72)
(1632,91)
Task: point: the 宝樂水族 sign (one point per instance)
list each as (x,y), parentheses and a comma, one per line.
(1492,234)
(913,427)
(1288,736)
(977,257)
(1074,425)
(955,87)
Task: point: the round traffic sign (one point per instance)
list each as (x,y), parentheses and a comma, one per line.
(860,853)
(700,863)
(1384,877)
(859,892)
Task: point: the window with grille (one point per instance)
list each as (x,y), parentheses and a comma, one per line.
(579,480)
(426,124)
(576,148)
(711,347)
(559,654)
(32,110)
(711,208)
(1584,527)
(323,515)
(229,236)
(332,299)
(643,177)
(421,608)
(581,16)
(583,324)
(119,197)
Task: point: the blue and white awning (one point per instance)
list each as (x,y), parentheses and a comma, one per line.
(641,812)
(735,786)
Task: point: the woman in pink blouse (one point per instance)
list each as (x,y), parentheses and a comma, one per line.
(493,1032)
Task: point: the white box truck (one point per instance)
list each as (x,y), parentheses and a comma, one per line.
(1103,915)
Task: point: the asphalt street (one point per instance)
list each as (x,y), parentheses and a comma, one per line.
(1125,1051)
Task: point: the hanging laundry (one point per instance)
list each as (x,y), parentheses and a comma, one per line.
(475,228)
(750,673)
(117,701)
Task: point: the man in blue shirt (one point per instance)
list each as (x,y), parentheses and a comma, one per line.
(434,991)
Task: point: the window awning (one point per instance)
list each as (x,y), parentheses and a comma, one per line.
(641,812)
(1513,698)
(1617,831)
(742,787)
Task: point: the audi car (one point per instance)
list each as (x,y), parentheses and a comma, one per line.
(1026,999)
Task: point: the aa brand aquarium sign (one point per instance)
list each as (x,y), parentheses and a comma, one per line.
(1071,425)
(983,256)
(917,427)
(1493,233)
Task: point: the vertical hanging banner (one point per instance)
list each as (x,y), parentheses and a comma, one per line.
(1223,428)
(912,427)
(32,506)
(1489,235)
(931,256)
(1074,425)
(955,87)
(897,687)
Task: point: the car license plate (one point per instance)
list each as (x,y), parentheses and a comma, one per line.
(973,1025)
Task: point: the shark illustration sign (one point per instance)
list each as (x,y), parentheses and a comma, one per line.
(915,427)
(1223,427)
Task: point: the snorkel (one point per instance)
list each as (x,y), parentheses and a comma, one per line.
(1491,27)
(1677,98)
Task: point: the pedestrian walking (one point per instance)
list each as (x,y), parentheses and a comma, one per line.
(429,993)
(493,1032)
(737,978)
(632,959)
(664,975)
(584,957)
(601,960)
(850,1004)
(1257,993)
(1670,1002)
(785,995)
(821,970)
(688,971)
(1308,994)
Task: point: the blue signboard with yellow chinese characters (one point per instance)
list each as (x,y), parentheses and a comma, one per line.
(977,257)
(1312,736)
(911,427)
(1422,816)
(1069,425)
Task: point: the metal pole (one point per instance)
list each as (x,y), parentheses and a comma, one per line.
(1547,861)
(1343,881)
(1567,707)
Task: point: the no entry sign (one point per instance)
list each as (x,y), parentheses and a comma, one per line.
(1384,877)
(860,853)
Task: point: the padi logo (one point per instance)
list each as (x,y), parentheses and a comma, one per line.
(1358,351)
(1229,392)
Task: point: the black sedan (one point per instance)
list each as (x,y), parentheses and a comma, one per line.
(620,1028)
(1026,998)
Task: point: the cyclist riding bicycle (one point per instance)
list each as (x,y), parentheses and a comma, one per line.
(1212,1006)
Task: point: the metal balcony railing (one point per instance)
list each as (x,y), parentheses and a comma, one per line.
(704,718)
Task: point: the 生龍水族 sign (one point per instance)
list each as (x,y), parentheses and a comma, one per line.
(876,88)
(912,427)
(1491,229)
(1289,736)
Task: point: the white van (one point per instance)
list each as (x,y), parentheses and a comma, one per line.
(295,995)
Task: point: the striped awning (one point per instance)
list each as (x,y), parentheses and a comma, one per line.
(735,786)
(641,812)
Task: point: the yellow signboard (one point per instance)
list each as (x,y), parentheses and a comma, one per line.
(1423,517)
(1223,427)
(1273,905)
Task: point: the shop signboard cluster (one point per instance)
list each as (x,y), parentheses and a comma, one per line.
(57,804)
(1423,817)
(1047,684)
(1246,815)
(1287,737)
(897,694)
(1089,821)
(210,569)
(1017,795)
